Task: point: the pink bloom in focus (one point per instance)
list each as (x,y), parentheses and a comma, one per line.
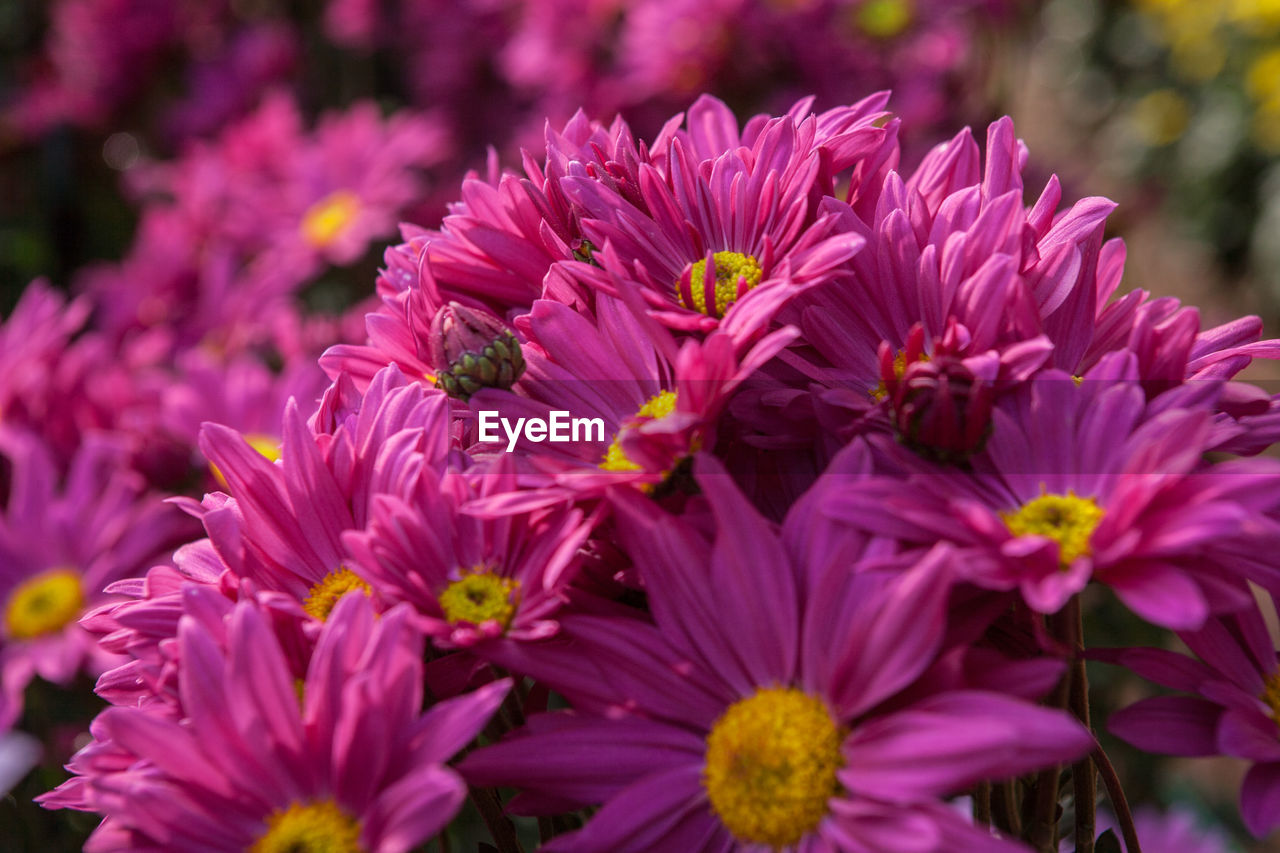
(281,523)
(259,758)
(472,579)
(752,715)
(1082,481)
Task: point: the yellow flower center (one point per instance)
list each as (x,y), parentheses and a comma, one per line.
(325,220)
(883,19)
(266,445)
(319,827)
(771,766)
(44,604)
(480,596)
(730,267)
(1067,519)
(325,594)
(658,406)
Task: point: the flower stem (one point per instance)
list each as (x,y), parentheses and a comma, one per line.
(1004,808)
(1119,804)
(1042,831)
(1083,780)
(500,827)
(982,804)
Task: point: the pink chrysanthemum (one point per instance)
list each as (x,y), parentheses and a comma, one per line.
(1232,709)
(1085,480)
(471,578)
(281,525)
(62,542)
(729,218)
(259,761)
(762,719)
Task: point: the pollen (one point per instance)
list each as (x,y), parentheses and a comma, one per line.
(267,446)
(480,596)
(1067,519)
(317,827)
(325,594)
(44,604)
(899,368)
(324,221)
(771,766)
(658,406)
(736,273)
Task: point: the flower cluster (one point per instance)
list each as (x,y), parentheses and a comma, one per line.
(809,467)
(104,393)
(477,64)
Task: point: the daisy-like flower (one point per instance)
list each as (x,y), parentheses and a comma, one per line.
(1084,481)
(654,404)
(62,541)
(748,223)
(282,523)
(471,578)
(262,762)
(954,244)
(1228,704)
(286,199)
(758,720)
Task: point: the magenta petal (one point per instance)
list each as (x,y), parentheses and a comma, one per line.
(1260,799)
(867,644)
(865,825)
(1170,725)
(450,725)
(169,746)
(1160,594)
(1249,733)
(943,743)
(582,759)
(1170,669)
(644,816)
(411,811)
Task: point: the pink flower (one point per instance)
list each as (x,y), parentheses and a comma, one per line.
(750,714)
(1082,481)
(657,402)
(281,524)
(1231,709)
(62,542)
(472,579)
(260,758)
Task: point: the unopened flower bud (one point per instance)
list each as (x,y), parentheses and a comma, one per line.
(472,349)
(941,410)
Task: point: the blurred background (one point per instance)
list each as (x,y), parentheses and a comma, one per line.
(189,166)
